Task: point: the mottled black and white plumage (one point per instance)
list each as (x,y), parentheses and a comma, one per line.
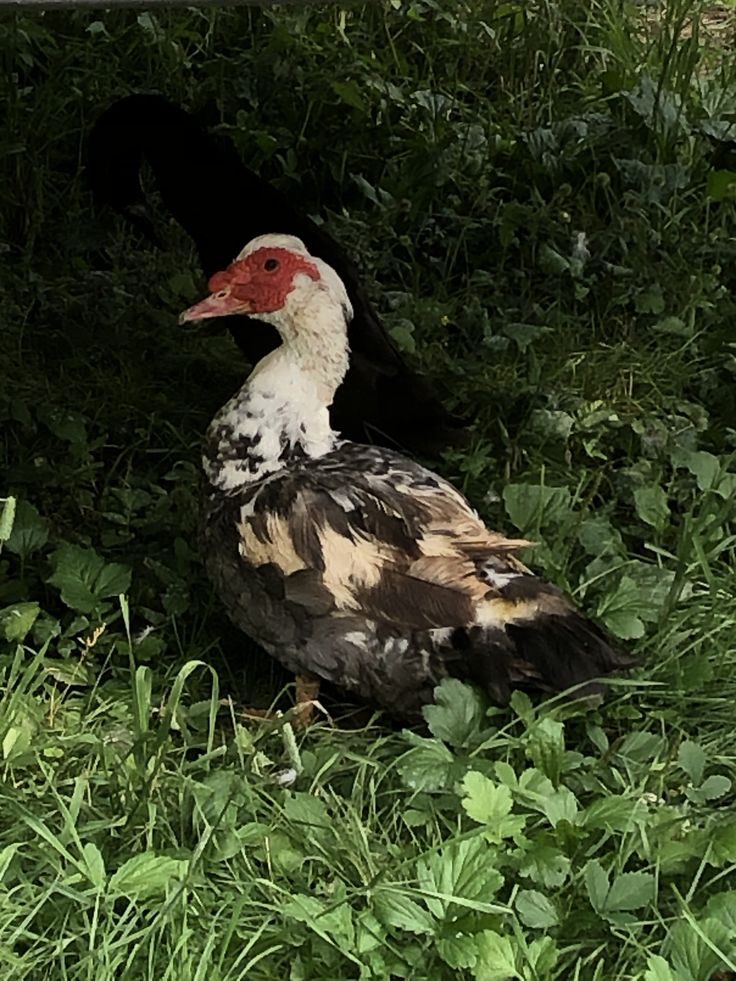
(353,563)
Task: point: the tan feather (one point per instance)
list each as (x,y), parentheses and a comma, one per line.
(277,548)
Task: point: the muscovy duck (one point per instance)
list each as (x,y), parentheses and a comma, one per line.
(220,204)
(352,563)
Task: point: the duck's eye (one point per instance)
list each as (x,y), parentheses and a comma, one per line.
(270,264)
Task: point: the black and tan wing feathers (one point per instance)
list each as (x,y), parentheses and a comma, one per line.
(400,546)
(375,573)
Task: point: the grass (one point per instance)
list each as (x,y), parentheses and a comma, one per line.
(541,196)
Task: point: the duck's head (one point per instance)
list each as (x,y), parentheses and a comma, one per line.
(274,279)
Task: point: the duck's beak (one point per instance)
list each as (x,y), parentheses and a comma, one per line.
(220,304)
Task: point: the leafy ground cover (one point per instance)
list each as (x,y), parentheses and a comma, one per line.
(542,195)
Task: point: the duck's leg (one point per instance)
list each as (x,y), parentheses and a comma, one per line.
(307,693)
(247,712)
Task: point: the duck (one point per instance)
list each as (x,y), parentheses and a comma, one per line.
(220,203)
(352,563)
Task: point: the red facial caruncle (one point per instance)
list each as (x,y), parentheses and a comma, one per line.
(259,283)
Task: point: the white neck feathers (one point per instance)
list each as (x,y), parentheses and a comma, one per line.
(281,413)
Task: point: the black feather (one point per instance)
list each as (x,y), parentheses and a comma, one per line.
(551,652)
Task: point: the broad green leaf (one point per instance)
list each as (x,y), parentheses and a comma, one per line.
(429,765)
(722,843)
(660,109)
(370,192)
(694,672)
(395,909)
(30,532)
(349,92)
(303,908)
(523,706)
(598,737)
(711,788)
(68,672)
(457,712)
(694,952)
(630,890)
(85,579)
(654,584)
(722,907)
(705,467)
(551,261)
(535,910)
(542,956)
(650,300)
(658,969)
(458,952)
(614,82)
(489,803)
(641,746)
(552,423)
(414,817)
(403,333)
(596,882)
(17,620)
(673,854)
(727,486)
(16,741)
(461,870)
(147,875)
(538,792)
(618,609)
(334,921)
(253,833)
(282,852)
(598,536)
(95,864)
(19,734)
(532,506)
(66,425)
(7,854)
(691,757)
(545,865)
(496,958)
(221,793)
(544,743)
(615,813)
(149,647)
(182,285)
(369,933)
(523,335)
(147,22)
(485,801)
(505,772)
(651,505)
(674,326)
(7,519)
(559,806)
(45,627)
(721,184)
(113,580)
(309,815)
(224,845)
